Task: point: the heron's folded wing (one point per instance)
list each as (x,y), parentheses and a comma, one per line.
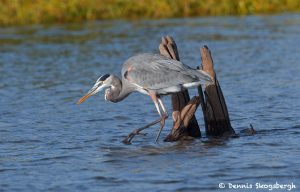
(159,73)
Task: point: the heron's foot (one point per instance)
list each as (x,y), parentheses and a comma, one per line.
(128,139)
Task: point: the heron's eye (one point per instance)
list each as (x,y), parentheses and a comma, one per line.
(103,77)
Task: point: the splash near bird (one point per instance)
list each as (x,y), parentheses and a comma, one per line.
(151,74)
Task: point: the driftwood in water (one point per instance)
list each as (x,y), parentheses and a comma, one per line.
(216,117)
(184,120)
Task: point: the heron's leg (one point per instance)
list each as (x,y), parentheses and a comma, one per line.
(163,107)
(156,105)
(155,100)
(163,118)
(128,139)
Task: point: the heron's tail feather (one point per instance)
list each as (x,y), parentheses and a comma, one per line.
(201,78)
(204,77)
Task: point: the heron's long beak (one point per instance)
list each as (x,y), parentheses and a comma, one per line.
(82,99)
(95,89)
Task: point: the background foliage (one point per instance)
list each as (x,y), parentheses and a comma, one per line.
(47,11)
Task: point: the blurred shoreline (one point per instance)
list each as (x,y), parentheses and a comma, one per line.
(24,12)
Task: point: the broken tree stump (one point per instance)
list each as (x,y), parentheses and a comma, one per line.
(184,120)
(216,117)
(215,112)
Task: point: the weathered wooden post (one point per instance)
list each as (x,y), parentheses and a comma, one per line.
(184,120)
(216,117)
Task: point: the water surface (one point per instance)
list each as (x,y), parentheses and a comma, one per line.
(48,143)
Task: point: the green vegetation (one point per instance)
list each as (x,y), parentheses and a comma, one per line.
(14,12)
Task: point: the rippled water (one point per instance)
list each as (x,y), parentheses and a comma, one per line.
(48,143)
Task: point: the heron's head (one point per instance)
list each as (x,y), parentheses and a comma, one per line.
(102,82)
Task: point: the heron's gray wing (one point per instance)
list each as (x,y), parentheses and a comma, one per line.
(154,72)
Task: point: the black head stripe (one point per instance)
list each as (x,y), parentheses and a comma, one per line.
(104,77)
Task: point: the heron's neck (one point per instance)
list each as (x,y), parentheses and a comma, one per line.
(117,92)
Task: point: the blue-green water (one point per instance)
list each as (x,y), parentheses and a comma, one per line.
(48,143)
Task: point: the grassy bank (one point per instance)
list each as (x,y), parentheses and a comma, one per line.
(16,12)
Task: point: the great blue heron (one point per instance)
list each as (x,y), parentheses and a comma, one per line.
(151,74)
